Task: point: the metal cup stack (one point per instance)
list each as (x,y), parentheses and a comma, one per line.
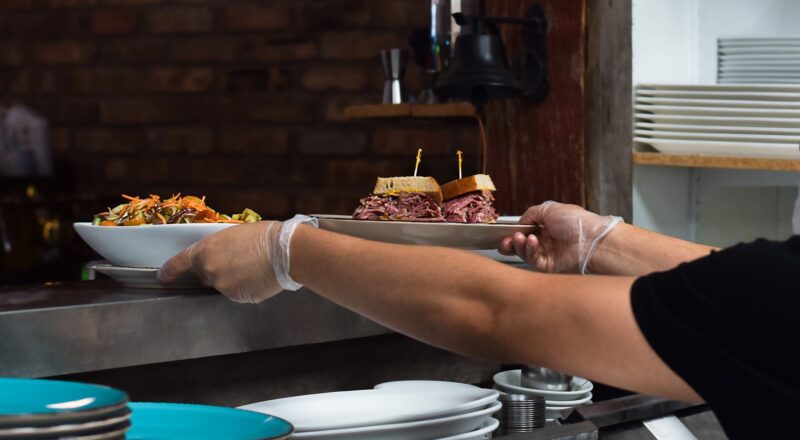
(521,413)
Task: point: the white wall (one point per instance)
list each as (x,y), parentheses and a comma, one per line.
(675,42)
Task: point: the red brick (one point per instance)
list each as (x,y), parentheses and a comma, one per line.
(107,80)
(334,14)
(71,3)
(10,54)
(65,52)
(358,45)
(208,171)
(71,111)
(180,19)
(264,110)
(361,173)
(134,51)
(109,141)
(255,17)
(133,111)
(135,171)
(114,22)
(342,78)
(405,141)
(131,2)
(329,202)
(269,79)
(254,140)
(190,140)
(16,4)
(168,79)
(204,49)
(258,49)
(29,81)
(334,106)
(401,13)
(60,139)
(332,142)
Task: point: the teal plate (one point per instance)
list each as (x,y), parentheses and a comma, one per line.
(25,401)
(176,421)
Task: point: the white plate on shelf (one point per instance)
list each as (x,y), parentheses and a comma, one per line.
(683,102)
(431,428)
(714,148)
(482,433)
(722,94)
(509,382)
(757,68)
(779,50)
(142,277)
(584,399)
(717,111)
(736,137)
(360,408)
(424,385)
(473,236)
(720,120)
(722,87)
(718,129)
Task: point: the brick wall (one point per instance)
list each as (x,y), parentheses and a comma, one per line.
(238,100)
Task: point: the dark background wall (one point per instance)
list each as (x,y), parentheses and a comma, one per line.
(239,100)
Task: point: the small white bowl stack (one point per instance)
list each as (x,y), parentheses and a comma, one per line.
(580,392)
(758,60)
(418,409)
(746,120)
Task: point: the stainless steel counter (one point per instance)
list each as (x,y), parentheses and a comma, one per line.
(78,327)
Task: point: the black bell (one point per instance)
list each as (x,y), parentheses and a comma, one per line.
(479,70)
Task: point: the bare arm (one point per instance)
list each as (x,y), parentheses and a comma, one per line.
(629,250)
(475,306)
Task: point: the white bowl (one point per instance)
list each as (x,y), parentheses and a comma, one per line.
(509,381)
(484,433)
(146,245)
(586,398)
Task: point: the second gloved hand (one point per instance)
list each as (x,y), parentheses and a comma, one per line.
(567,242)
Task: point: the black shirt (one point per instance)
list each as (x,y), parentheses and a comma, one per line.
(728,324)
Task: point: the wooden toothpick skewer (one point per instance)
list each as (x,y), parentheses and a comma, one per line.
(460,159)
(419,159)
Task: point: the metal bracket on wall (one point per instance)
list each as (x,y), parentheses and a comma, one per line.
(529,63)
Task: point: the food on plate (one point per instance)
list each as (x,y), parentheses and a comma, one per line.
(469,200)
(153,210)
(410,198)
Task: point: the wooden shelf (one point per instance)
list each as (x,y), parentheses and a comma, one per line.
(448,110)
(703,161)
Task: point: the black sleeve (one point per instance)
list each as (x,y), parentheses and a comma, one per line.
(728,325)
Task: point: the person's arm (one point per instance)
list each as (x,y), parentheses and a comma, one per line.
(629,250)
(478,307)
(574,240)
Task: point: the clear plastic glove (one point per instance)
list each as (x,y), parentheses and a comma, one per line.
(247,263)
(567,241)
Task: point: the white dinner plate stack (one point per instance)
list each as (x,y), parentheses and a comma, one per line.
(420,410)
(758,60)
(580,392)
(753,120)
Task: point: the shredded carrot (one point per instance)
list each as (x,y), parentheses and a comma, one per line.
(163,220)
(129,197)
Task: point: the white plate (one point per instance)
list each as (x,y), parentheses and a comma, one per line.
(143,277)
(353,409)
(425,386)
(454,235)
(509,381)
(776,81)
(717,111)
(758,65)
(146,245)
(722,87)
(721,120)
(749,149)
(758,68)
(684,102)
(779,50)
(431,428)
(718,129)
(583,400)
(736,137)
(756,57)
(743,74)
(722,94)
(482,433)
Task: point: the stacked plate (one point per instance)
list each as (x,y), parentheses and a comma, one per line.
(719,119)
(758,60)
(32,408)
(580,392)
(423,410)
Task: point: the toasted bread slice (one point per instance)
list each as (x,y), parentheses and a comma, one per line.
(396,185)
(478,182)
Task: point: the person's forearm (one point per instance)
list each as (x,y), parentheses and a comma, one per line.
(633,251)
(444,297)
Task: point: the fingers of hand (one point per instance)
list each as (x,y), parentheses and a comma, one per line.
(506,246)
(518,241)
(535,214)
(176,266)
(531,248)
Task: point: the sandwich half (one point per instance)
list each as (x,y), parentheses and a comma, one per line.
(411,198)
(469,200)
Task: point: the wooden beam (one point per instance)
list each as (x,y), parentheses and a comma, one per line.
(609,168)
